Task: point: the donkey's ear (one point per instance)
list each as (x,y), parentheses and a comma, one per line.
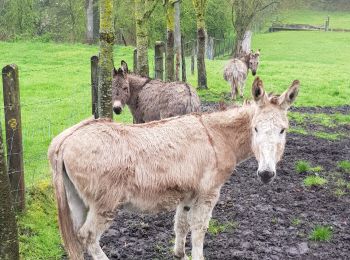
(258,92)
(124,66)
(115,72)
(288,97)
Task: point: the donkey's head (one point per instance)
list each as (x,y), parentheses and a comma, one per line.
(269,125)
(120,88)
(254,61)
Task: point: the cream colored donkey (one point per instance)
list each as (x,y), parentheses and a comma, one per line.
(100,166)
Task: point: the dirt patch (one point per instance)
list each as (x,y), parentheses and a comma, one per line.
(271,222)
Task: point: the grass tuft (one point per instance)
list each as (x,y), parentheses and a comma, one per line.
(215,227)
(302,166)
(344,166)
(296,222)
(321,233)
(314,180)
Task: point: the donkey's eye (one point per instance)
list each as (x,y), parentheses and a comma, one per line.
(256,129)
(282,131)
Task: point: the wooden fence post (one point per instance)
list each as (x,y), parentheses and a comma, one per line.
(183,60)
(193,53)
(94,85)
(8,235)
(135,62)
(158,60)
(13,125)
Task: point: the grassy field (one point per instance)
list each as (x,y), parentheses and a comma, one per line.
(55,94)
(338,20)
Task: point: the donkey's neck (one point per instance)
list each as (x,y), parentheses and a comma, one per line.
(245,58)
(136,83)
(230,134)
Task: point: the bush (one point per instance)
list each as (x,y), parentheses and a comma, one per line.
(314,181)
(321,233)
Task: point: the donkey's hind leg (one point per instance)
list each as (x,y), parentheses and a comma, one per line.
(181,228)
(97,221)
(200,215)
(233,90)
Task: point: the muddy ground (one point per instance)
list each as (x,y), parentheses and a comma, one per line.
(270,222)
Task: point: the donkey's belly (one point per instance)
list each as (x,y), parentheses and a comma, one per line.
(154,203)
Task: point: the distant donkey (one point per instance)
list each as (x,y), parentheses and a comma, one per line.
(236,71)
(100,167)
(150,99)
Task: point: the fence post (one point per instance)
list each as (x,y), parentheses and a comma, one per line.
(13,125)
(8,226)
(183,60)
(135,61)
(192,57)
(158,60)
(94,85)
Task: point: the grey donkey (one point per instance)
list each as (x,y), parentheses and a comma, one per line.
(149,99)
(236,71)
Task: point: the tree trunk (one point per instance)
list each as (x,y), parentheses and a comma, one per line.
(89,21)
(183,60)
(169,68)
(200,6)
(238,48)
(8,234)
(106,59)
(177,42)
(96,21)
(141,38)
(158,60)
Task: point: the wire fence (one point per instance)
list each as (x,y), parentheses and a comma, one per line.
(42,118)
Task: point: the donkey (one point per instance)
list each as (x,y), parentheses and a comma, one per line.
(151,100)
(100,166)
(236,71)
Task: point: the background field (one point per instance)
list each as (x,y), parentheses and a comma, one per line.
(55,94)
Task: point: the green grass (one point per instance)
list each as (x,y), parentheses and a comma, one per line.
(314,180)
(296,222)
(215,227)
(328,120)
(38,227)
(321,233)
(344,166)
(302,166)
(313,17)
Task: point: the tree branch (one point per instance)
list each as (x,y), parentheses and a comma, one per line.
(266,6)
(148,12)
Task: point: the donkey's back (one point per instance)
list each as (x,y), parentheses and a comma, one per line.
(158,100)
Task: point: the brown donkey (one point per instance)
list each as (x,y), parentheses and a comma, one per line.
(236,71)
(100,166)
(149,99)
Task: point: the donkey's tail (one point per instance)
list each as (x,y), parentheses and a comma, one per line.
(69,235)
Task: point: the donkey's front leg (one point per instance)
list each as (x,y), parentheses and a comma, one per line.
(181,229)
(200,215)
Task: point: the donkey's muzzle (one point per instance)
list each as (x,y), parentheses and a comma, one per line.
(117,110)
(266,176)
(253,72)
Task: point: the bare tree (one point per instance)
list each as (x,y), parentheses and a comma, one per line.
(200,8)
(89,6)
(177,40)
(143,11)
(170,27)
(244,13)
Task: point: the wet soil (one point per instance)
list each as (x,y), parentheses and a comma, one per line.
(271,221)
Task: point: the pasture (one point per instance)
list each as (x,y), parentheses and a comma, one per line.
(250,221)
